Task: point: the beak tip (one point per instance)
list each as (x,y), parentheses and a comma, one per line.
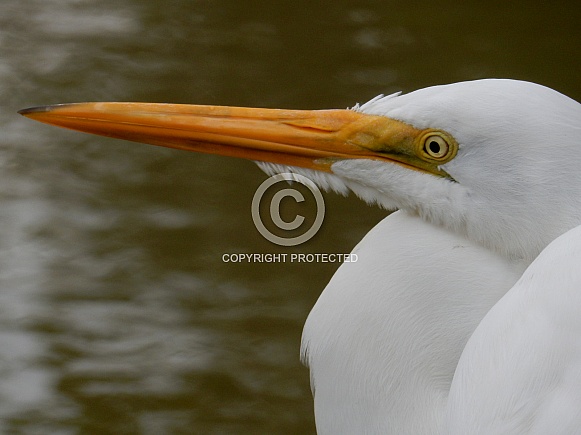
(31,111)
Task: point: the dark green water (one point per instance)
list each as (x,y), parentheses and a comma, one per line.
(117,313)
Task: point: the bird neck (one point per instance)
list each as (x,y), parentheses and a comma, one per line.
(514,226)
(385,335)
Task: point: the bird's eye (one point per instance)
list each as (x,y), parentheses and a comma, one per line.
(436,147)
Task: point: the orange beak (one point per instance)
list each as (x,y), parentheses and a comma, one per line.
(308,138)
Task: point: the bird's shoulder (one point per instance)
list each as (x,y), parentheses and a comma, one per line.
(521,370)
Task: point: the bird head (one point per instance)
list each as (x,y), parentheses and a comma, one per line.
(495,160)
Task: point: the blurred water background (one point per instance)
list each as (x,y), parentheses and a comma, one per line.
(117,313)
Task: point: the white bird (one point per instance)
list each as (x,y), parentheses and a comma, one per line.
(427,333)
(520,372)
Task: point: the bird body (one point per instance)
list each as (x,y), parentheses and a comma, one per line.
(520,372)
(381,355)
(485,174)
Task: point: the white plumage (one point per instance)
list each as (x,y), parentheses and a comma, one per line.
(383,340)
(385,336)
(520,372)
(427,333)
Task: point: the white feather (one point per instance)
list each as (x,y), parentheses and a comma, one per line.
(324,180)
(383,340)
(520,372)
(385,336)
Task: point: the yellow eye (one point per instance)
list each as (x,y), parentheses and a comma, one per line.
(436,147)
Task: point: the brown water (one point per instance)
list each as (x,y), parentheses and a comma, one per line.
(117,313)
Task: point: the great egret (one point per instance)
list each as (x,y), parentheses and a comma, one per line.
(485,174)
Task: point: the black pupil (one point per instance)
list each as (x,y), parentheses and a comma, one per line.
(434,147)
